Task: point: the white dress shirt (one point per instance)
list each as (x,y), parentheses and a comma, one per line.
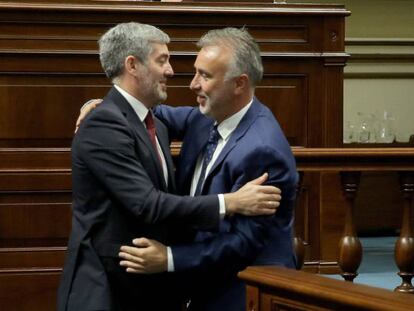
(142,112)
(225,129)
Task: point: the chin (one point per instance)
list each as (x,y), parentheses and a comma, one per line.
(204,110)
(162,97)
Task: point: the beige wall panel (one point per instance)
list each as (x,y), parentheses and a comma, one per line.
(372,95)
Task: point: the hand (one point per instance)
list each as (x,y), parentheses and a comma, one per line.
(88,107)
(253,199)
(149,256)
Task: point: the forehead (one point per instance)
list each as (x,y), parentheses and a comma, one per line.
(159,49)
(213,58)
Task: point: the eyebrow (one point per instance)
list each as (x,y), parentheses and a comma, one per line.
(163,55)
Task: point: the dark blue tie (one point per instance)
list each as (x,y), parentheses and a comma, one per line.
(208,154)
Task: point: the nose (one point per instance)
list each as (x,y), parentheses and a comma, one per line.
(169,72)
(194,85)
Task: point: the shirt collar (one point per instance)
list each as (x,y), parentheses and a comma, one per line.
(226,127)
(138,107)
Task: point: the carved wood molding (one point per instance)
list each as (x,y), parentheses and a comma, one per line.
(159,7)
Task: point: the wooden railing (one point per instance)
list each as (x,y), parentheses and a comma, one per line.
(276,288)
(350,162)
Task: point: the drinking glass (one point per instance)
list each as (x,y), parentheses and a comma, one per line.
(385,132)
(349,133)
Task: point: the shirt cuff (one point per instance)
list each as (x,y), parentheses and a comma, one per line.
(222,206)
(170,260)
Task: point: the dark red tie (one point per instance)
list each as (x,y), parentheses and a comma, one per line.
(149,123)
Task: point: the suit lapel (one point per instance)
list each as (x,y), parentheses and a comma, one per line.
(241,129)
(140,131)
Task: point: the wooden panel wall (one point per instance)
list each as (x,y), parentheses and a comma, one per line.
(35,196)
(49,66)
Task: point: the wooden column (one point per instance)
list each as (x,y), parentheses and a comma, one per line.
(350,249)
(404,247)
(297,240)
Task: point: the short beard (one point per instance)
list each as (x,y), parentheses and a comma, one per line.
(152,90)
(162,96)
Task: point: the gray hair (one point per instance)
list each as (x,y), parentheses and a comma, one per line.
(246,57)
(127,39)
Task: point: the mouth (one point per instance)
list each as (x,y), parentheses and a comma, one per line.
(163,85)
(201,99)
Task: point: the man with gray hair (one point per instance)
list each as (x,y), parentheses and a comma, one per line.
(249,141)
(230,138)
(122,172)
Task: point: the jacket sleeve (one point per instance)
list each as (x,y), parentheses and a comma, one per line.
(175,118)
(106,145)
(238,246)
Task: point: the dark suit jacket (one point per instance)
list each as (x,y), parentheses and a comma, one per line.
(119,194)
(212,261)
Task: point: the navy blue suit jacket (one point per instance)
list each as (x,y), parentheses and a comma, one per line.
(118,195)
(212,261)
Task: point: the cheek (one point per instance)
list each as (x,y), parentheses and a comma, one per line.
(219,92)
(209,88)
(154,72)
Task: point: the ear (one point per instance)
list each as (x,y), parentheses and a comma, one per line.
(242,83)
(132,65)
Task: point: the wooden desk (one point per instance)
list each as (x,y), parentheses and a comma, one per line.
(276,288)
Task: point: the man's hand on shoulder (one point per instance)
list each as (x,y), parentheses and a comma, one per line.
(86,109)
(254,199)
